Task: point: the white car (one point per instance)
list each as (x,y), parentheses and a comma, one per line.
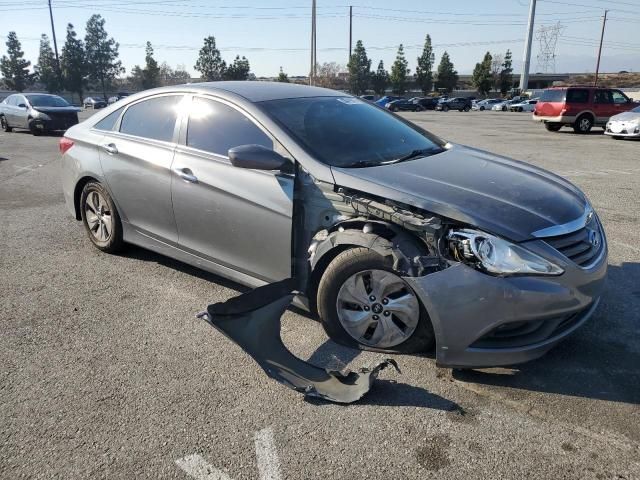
(624,125)
(486,104)
(503,106)
(525,106)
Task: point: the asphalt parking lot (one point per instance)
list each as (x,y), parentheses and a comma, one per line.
(105,371)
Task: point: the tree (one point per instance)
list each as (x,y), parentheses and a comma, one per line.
(47,68)
(506,74)
(481,77)
(447,75)
(151,70)
(424,70)
(282,77)
(496,68)
(238,70)
(73,63)
(101,53)
(359,70)
(328,75)
(136,79)
(380,79)
(210,64)
(14,68)
(399,72)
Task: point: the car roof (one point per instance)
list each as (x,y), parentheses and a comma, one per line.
(262,91)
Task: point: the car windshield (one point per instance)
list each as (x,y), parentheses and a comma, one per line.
(349,132)
(47,101)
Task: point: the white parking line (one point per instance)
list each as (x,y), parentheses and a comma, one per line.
(267,456)
(196,467)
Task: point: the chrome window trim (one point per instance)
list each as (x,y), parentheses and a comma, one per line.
(569,227)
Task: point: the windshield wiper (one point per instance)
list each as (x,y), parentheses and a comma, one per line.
(421,152)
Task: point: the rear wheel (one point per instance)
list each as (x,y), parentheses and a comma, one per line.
(4,124)
(100,218)
(363,303)
(445,108)
(481,109)
(553,127)
(466,109)
(583,124)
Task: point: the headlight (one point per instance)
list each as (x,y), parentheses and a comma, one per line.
(497,256)
(40,115)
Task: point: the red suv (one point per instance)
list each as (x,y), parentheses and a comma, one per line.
(580,107)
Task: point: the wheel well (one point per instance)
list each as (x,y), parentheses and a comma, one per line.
(587,114)
(78,191)
(318,271)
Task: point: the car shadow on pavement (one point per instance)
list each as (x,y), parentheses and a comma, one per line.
(599,361)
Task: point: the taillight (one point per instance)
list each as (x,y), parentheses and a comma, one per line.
(65,144)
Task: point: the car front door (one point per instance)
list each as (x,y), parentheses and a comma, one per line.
(621,103)
(136,160)
(20,112)
(235,217)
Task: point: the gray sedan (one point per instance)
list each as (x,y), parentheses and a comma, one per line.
(397,239)
(37,112)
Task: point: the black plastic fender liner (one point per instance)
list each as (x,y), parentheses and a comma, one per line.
(252,320)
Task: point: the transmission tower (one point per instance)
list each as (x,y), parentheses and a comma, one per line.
(548,39)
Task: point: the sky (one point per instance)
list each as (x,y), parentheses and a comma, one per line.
(276,33)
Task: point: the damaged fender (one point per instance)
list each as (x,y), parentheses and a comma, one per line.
(252,320)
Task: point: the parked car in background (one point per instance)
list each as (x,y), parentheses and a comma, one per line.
(93,102)
(389,228)
(37,112)
(403,106)
(386,99)
(504,105)
(457,103)
(486,104)
(428,103)
(624,125)
(580,107)
(524,106)
(122,95)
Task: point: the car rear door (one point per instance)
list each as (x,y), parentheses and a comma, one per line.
(136,161)
(235,217)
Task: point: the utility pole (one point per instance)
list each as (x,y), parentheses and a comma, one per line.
(312,73)
(604,22)
(526,60)
(55,43)
(350,29)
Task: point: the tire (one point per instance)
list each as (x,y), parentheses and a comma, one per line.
(4,124)
(504,109)
(617,137)
(362,263)
(583,124)
(481,109)
(466,109)
(445,108)
(520,109)
(553,127)
(98,213)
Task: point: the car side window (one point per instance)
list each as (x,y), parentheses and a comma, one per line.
(216,127)
(577,95)
(108,122)
(619,97)
(602,96)
(154,118)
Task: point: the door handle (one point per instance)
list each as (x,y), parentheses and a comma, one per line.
(110,148)
(186,174)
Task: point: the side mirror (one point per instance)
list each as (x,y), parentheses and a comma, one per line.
(256,157)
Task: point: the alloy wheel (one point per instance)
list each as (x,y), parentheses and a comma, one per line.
(377,308)
(98,215)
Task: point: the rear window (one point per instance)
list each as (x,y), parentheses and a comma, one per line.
(109,121)
(154,118)
(556,95)
(577,95)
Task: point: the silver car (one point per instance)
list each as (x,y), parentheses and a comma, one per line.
(37,112)
(624,125)
(396,238)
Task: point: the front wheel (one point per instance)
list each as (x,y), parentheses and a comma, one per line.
(364,304)
(4,124)
(445,108)
(100,218)
(617,137)
(466,109)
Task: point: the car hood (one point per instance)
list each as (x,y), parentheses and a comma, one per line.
(57,109)
(497,194)
(625,117)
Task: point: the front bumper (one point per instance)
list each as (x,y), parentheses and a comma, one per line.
(62,122)
(469,310)
(623,129)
